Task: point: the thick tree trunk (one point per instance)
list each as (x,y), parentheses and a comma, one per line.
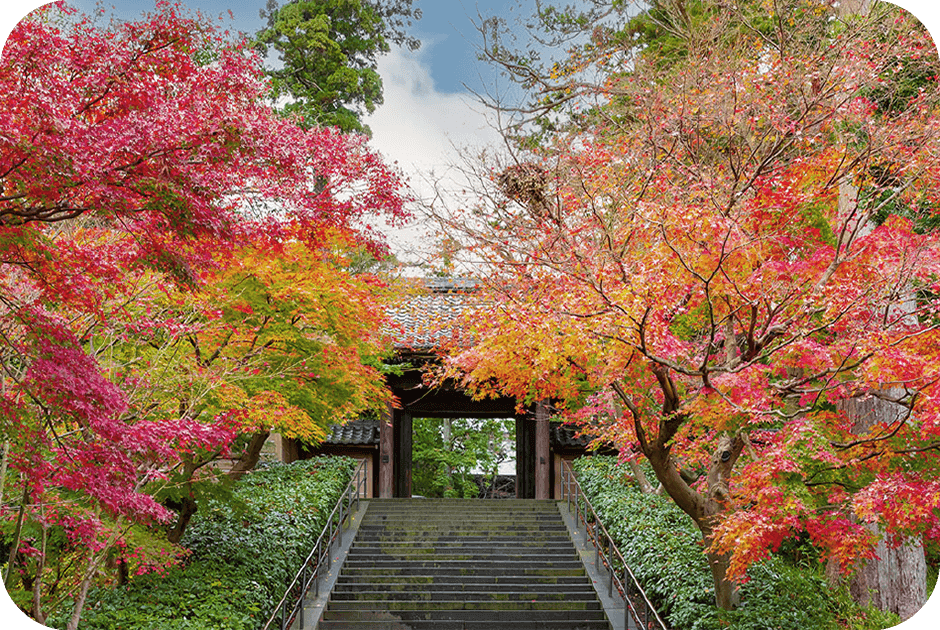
(896,579)
(249,459)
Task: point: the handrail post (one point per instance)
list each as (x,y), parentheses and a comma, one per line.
(626,611)
(610,585)
(597,547)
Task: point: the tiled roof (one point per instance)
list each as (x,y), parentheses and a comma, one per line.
(362,432)
(432,315)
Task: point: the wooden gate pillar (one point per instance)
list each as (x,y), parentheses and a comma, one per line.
(543,460)
(402,467)
(387,454)
(525,457)
(533,454)
(395,454)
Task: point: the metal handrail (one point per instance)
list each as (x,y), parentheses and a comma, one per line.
(605,552)
(291,605)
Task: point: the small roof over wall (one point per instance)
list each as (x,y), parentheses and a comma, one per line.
(361,432)
(365,432)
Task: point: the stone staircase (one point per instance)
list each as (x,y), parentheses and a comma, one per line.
(463,564)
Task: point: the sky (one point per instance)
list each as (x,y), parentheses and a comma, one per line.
(428,111)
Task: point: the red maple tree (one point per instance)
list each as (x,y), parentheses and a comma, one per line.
(135,160)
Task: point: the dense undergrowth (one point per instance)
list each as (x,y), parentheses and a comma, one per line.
(243,550)
(663,548)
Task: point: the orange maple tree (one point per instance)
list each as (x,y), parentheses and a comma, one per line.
(720,262)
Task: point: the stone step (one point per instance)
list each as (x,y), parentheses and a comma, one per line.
(529,538)
(468,507)
(454,554)
(462,524)
(480,509)
(464,506)
(442,624)
(513,582)
(464,615)
(393,521)
(479,544)
(419,531)
(409,571)
(393,605)
(501,515)
(469,567)
(396,593)
(449,564)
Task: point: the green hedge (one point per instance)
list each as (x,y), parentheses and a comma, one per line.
(244,550)
(663,548)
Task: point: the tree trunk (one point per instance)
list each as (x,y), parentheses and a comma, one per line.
(82,594)
(896,579)
(727,593)
(16,536)
(641,480)
(38,613)
(187,508)
(704,509)
(93,563)
(249,459)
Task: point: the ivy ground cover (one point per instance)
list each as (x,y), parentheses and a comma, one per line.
(787,591)
(242,550)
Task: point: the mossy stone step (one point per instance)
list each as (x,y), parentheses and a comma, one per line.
(442,564)
(465,605)
(467,582)
(442,624)
(434,595)
(465,615)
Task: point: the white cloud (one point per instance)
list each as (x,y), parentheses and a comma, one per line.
(423,130)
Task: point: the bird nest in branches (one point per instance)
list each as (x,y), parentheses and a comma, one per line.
(527,184)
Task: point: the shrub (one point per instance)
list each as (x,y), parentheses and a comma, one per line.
(243,551)
(663,548)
